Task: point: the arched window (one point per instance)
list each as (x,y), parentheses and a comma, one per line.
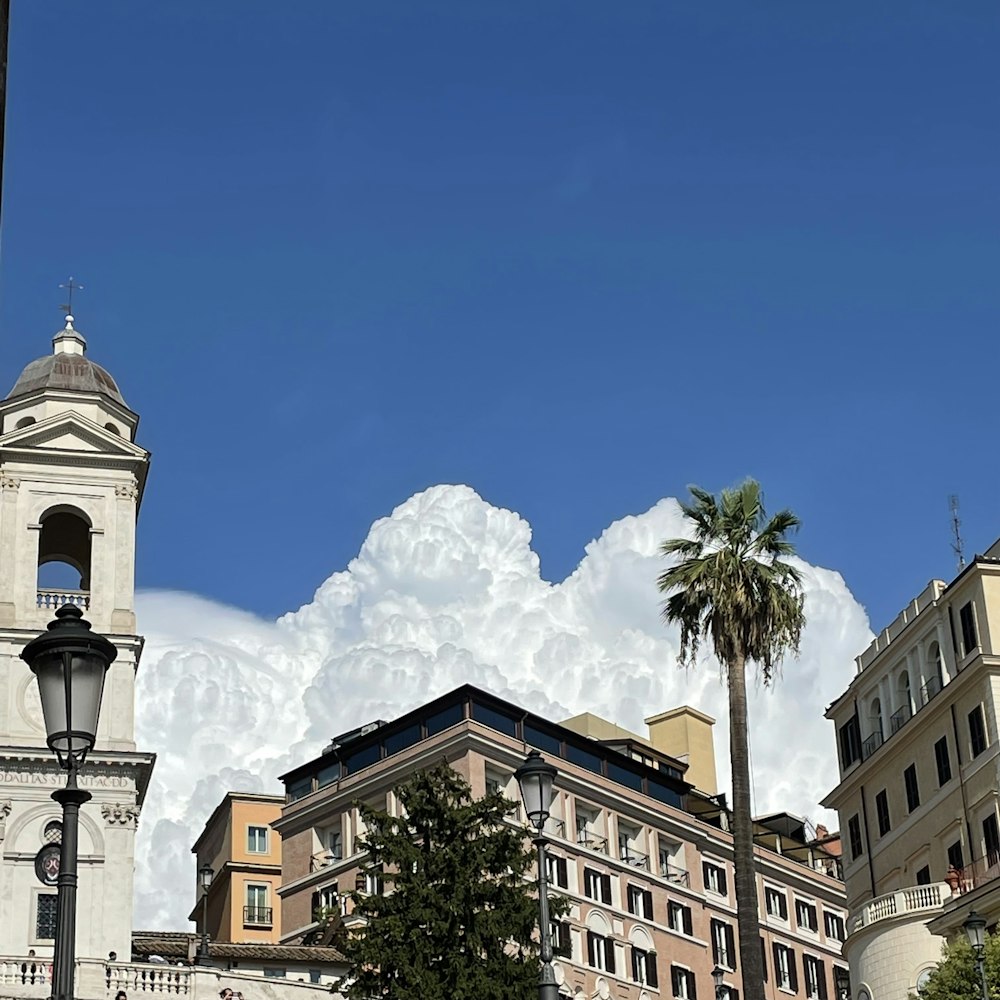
(876,719)
(903,687)
(64,558)
(935,663)
(113,428)
(24,422)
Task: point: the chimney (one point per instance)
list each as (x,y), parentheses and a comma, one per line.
(686,733)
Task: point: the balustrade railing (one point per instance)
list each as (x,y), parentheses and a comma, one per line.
(50,600)
(132,977)
(29,971)
(914,899)
(257,915)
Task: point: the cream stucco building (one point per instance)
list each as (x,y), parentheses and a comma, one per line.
(71,481)
(919,777)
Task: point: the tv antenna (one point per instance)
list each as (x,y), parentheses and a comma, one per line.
(956,530)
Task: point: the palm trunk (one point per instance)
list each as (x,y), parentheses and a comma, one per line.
(751,955)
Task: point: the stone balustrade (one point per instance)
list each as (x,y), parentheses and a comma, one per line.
(49,600)
(915,899)
(28,979)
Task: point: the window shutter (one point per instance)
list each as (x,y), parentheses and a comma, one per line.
(821,971)
(715,941)
(731,946)
(591,956)
(651,977)
(635,965)
(609,955)
(777,963)
(722,882)
(561,872)
(589,880)
(692,987)
(606,888)
(783,906)
(792,972)
(314,905)
(688,926)
(675,976)
(647,904)
(763,957)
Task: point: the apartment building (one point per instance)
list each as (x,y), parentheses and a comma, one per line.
(642,854)
(244,852)
(917,796)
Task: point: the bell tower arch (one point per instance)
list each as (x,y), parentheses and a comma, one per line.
(71,484)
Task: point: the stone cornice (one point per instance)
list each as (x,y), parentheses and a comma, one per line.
(37,767)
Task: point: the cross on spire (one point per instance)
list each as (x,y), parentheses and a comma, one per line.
(70,287)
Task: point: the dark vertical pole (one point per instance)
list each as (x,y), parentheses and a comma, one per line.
(547,988)
(64,961)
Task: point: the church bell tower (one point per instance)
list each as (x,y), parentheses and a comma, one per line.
(71,482)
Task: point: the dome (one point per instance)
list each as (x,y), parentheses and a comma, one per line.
(67,368)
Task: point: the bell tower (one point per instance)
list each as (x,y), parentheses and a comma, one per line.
(71,483)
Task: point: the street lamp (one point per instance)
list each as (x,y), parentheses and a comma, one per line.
(975,927)
(205,876)
(535,778)
(69,661)
(718,974)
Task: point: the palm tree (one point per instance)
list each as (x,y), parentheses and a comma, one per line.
(731,587)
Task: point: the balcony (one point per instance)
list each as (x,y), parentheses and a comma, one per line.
(916,899)
(928,690)
(870,745)
(49,600)
(634,858)
(592,842)
(555,828)
(899,718)
(679,876)
(260,916)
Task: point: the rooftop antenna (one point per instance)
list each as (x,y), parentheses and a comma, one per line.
(70,286)
(956,530)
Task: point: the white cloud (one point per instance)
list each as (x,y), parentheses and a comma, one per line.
(447,591)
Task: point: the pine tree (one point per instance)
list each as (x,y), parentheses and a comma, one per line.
(455,914)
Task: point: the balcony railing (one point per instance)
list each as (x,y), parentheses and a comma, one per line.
(928,690)
(23,971)
(900,718)
(916,899)
(257,915)
(592,842)
(672,873)
(634,858)
(555,828)
(870,745)
(49,600)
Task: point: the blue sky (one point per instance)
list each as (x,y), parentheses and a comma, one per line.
(575,255)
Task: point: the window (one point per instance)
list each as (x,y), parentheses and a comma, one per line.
(256,910)
(723,944)
(834,924)
(644,967)
(805,915)
(373,883)
(955,859)
(600,952)
(315,976)
(275,974)
(943,761)
(555,871)
(784,968)
(924,876)
(854,836)
(679,917)
(776,903)
(841,982)
(815,977)
(682,983)
(850,743)
(597,885)
(257,840)
(977,731)
(967,618)
(912,791)
(882,809)
(45,916)
(715,878)
(562,940)
(639,901)
(335,844)
(991,839)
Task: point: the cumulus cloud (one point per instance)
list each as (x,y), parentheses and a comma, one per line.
(447,591)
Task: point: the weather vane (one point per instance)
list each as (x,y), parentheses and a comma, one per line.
(70,287)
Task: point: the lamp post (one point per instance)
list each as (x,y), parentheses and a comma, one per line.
(975,927)
(718,974)
(205,876)
(70,662)
(535,778)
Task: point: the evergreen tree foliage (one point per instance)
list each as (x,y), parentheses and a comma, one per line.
(731,587)
(957,977)
(457,911)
